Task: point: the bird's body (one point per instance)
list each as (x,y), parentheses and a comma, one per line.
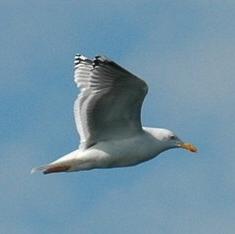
(107,115)
(114,153)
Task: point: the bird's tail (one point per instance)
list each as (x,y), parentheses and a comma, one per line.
(39,169)
(51,168)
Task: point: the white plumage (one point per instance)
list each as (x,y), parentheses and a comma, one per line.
(108,119)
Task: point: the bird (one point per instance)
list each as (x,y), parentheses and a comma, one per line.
(108,119)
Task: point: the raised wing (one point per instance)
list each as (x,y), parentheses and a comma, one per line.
(109,105)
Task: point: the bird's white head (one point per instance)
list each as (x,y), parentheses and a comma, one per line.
(170,139)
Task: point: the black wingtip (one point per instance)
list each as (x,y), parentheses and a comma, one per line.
(78,58)
(96,61)
(101,59)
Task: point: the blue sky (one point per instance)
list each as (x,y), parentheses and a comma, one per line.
(185,52)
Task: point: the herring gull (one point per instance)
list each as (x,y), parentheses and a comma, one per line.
(108,119)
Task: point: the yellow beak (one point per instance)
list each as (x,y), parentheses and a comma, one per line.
(188,146)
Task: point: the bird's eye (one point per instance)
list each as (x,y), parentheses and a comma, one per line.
(172,137)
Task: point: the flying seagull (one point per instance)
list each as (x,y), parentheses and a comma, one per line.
(108,119)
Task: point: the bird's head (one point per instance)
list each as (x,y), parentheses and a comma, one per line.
(172,141)
(169,139)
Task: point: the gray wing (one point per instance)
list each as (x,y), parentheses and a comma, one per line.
(109,104)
